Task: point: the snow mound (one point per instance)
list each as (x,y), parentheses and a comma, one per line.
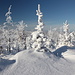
(38,63)
(69,54)
(66,52)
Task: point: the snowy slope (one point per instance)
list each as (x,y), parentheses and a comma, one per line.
(66,52)
(70,54)
(35,63)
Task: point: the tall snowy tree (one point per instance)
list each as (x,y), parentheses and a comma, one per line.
(38,37)
(66,29)
(21,35)
(7,24)
(65,38)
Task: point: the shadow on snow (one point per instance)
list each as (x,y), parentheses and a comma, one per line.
(5,62)
(60,50)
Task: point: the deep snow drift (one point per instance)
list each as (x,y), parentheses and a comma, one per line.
(29,62)
(69,54)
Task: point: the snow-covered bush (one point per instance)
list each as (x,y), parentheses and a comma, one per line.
(53,35)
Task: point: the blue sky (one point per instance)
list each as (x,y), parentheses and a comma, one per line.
(55,12)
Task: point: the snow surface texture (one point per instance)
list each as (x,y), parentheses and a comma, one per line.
(29,62)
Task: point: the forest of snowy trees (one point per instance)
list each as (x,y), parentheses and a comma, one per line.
(14,37)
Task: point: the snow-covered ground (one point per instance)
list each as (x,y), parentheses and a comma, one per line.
(69,54)
(28,62)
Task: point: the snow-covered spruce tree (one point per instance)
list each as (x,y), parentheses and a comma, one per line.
(65,38)
(21,41)
(4,40)
(38,37)
(8,23)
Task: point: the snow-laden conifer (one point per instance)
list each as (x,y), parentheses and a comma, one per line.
(38,37)
(21,40)
(65,38)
